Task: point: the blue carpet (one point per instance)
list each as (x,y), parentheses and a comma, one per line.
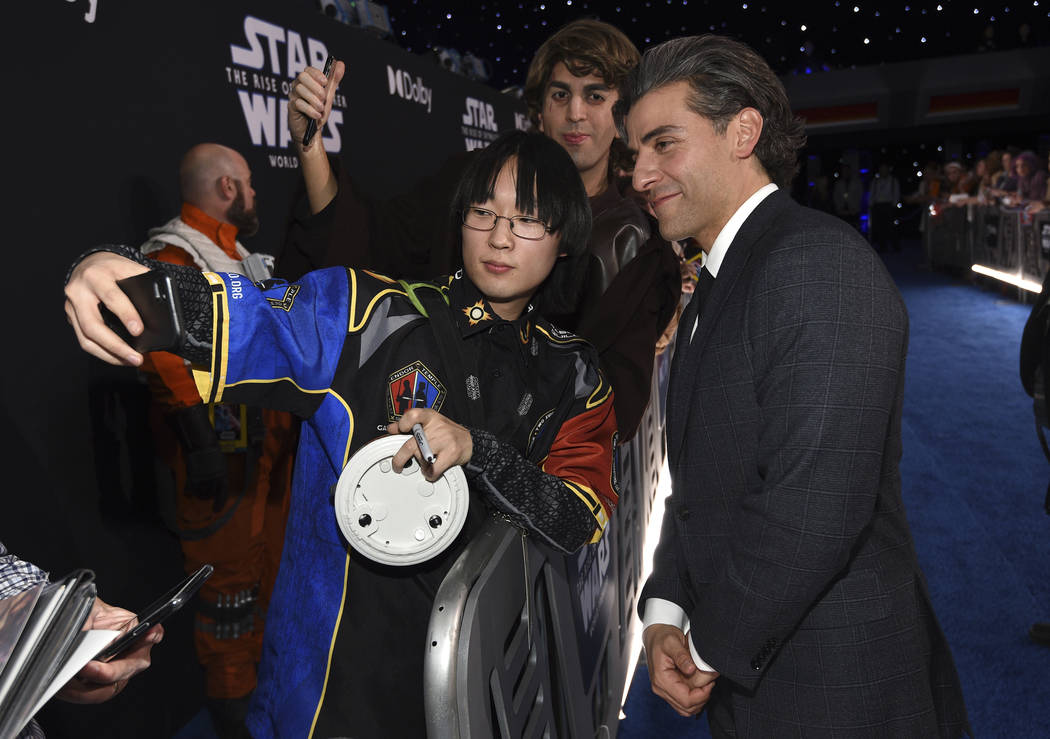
(974,479)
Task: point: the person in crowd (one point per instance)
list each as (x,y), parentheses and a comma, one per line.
(990,169)
(971,180)
(1006,182)
(1025,37)
(230,464)
(631,286)
(931,184)
(1036,205)
(1031,180)
(957,179)
(521,405)
(884,197)
(846,195)
(988,41)
(97,681)
(786,596)
(986,173)
(927,195)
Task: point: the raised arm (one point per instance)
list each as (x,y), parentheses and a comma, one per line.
(310,98)
(269,344)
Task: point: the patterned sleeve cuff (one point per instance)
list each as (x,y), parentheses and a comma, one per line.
(17,575)
(194,297)
(526,495)
(125,251)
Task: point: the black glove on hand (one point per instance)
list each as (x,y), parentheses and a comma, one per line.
(206,472)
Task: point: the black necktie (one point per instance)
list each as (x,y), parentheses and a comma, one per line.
(696,305)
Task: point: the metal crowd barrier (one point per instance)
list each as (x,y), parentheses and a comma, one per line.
(525,642)
(1005,239)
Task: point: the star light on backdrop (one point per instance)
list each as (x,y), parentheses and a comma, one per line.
(494,40)
(829,34)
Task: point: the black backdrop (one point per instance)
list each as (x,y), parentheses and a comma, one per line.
(98,110)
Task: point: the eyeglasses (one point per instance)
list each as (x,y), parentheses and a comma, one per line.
(525,227)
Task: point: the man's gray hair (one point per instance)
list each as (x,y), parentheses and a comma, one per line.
(726,76)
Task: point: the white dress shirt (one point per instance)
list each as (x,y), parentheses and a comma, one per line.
(658,610)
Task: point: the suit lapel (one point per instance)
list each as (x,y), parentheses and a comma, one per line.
(685,365)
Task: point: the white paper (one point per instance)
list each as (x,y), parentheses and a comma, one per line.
(88,645)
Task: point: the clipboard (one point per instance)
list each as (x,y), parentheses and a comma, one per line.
(47,637)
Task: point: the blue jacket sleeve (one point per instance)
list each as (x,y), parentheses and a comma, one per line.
(276,344)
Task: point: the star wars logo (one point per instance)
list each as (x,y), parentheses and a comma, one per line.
(479,124)
(263,72)
(402,85)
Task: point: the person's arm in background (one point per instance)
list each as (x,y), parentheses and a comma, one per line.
(337,223)
(311,99)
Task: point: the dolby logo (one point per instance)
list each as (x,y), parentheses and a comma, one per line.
(402,85)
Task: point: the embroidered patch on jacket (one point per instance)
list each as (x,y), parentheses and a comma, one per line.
(477,313)
(414,386)
(285,303)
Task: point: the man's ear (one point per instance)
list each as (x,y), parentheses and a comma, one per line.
(746,129)
(539,122)
(225,187)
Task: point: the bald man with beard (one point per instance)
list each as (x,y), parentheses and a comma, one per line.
(229,466)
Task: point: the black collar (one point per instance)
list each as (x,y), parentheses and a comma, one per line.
(473,313)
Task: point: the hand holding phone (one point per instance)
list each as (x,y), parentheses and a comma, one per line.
(311,125)
(156,612)
(157,302)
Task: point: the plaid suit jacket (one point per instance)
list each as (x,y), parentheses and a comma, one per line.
(784,538)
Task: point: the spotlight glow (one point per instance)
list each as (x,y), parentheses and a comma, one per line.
(1012,279)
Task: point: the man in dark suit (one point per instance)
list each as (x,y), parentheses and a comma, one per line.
(786,595)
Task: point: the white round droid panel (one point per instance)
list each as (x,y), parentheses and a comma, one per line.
(398,518)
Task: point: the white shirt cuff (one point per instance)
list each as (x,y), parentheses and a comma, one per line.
(700,664)
(660,611)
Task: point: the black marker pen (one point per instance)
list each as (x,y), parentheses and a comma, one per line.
(424,445)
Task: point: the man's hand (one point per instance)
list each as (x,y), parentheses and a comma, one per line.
(311,96)
(672,672)
(100,681)
(93,281)
(450,442)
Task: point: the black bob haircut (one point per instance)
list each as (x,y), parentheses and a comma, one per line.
(548,187)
